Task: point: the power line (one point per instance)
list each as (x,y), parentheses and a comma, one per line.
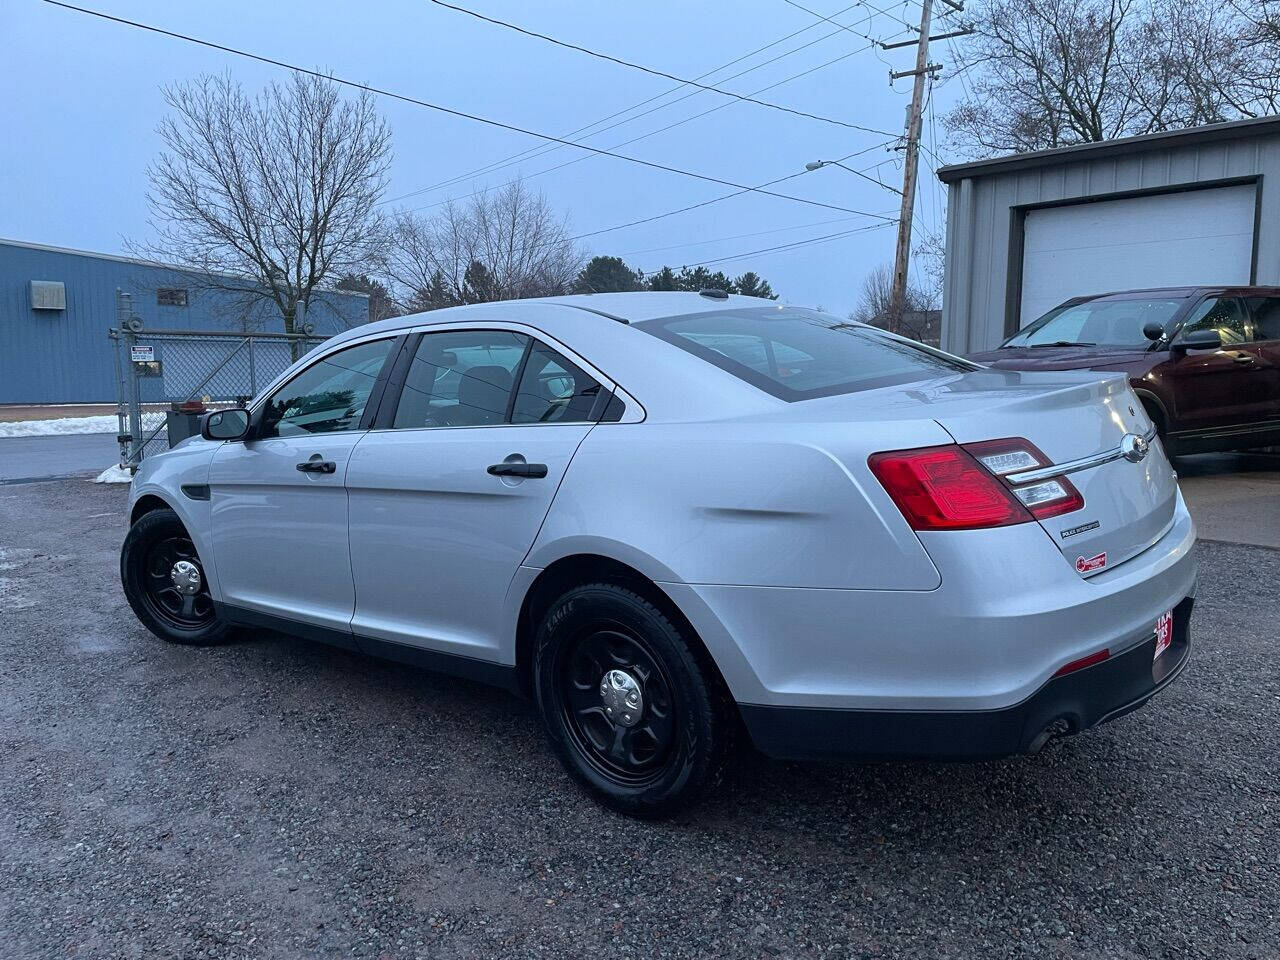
(782,247)
(736,236)
(440,109)
(726,196)
(651,133)
(873,9)
(545,149)
(506,161)
(650,70)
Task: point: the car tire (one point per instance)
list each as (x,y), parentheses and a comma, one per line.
(165,584)
(672,748)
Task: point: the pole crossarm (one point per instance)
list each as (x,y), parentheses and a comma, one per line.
(963,32)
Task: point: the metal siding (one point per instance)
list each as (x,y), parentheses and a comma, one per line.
(973,317)
(65,356)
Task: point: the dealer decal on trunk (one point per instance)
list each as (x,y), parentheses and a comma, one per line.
(1086,564)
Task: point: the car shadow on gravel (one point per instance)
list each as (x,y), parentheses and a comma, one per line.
(494,732)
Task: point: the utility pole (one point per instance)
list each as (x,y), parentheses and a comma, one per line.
(923,71)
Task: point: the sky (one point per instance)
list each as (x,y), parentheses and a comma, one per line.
(82,101)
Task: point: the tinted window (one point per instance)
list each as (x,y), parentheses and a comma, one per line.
(328,396)
(461,379)
(1223,316)
(797,354)
(553,390)
(1266,317)
(1112,323)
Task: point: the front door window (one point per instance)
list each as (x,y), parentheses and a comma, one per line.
(327,397)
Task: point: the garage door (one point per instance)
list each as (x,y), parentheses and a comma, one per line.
(1166,240)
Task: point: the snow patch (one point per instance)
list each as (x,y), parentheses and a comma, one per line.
(106,423)
(114,474)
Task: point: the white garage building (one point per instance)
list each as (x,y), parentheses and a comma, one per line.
(1026,232)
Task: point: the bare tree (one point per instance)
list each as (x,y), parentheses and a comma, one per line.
(920,308)
(270,196)
(499,245)
(1050,73)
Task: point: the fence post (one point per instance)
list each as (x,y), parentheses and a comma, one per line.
(253,371)
(135,402)
(121,401)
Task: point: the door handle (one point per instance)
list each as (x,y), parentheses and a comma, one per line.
(1243,358)
(318,465)
(517,468)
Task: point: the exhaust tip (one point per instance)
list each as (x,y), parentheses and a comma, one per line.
(1055,730)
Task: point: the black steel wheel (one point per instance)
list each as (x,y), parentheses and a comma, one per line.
(632,708)
(628,741)
(174,586)
(164,581)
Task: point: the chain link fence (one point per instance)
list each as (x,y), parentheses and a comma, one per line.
(159,370)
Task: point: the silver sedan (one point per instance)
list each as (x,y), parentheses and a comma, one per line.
(674,519)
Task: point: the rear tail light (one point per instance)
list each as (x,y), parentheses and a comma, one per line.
(1044,498)
(965,488)
(944,488)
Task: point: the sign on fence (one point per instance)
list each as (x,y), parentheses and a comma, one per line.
(142,354)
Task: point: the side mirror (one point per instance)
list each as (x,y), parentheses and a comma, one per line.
(1152,330)
(1199,340)
(229,424)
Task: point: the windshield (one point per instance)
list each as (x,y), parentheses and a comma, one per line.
(798,354)
(1110,323)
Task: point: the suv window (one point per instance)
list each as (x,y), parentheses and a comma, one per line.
(460,378)
(1266,317)
(797,354)
(1222,315)
(553,389)
(328,396)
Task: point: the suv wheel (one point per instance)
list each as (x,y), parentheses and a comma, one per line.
(630,712)
(164,581)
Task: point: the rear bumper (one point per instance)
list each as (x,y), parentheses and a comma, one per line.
(1065,705)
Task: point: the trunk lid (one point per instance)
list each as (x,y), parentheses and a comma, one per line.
(1127,505)
(1068,415)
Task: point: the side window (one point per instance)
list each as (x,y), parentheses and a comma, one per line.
(1224,316)
(553,390)
(460,379)
(328,396)
(1266,317)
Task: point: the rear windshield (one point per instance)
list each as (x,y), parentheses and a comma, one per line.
(798,354)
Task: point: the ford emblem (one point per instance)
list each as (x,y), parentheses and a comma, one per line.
(1134,448)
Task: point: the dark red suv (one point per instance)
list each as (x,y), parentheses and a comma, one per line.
(1204,360)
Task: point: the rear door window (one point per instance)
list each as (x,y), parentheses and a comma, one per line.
(553,389)
(460,378)
(469,378)
(797,354)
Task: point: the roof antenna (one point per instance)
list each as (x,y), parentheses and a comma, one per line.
(714,294)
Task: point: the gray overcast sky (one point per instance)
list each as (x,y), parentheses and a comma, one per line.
(82,103)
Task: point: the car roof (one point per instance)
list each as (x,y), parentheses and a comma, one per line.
(674,383)
(1179,293)
(621,307)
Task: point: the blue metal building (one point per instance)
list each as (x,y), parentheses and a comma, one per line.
(57,305)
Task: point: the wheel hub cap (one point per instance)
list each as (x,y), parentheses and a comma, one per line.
(185,577)
(623,699)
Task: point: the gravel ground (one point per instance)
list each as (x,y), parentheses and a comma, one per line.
(276,799)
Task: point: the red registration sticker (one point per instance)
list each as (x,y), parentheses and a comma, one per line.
(1164,632)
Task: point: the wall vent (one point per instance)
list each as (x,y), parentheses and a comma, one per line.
(48,295)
